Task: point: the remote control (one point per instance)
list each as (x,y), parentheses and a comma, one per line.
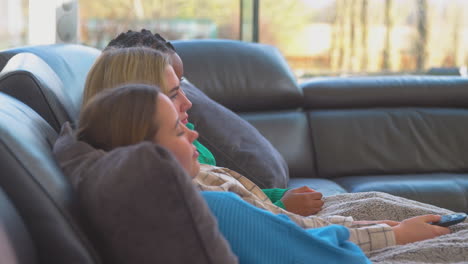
(452,219)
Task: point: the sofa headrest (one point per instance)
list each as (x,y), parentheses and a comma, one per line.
(239,75)
(34,182)
(29,79)
(386,91)
(71,63)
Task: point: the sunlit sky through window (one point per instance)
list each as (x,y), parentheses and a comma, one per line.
(317,3)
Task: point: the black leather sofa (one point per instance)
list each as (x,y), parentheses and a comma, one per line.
(405,135)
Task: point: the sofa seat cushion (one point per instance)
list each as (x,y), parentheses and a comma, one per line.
(140,203)
(446,190)
(326,187)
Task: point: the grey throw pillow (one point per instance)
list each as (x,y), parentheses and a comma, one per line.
(235,143)
(141,204)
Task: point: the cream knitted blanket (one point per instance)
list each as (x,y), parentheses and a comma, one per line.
(376,240)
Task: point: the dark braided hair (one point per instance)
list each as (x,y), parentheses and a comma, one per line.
(144,38)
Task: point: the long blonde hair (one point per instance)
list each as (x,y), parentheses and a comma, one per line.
(115,67)
(119,117)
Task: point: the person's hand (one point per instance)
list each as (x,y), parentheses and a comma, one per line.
(303,201)
(418,228)
(388,222)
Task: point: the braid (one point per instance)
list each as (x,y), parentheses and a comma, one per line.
(144,38)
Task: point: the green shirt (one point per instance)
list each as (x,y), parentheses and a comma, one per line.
(206,157)
(275,196)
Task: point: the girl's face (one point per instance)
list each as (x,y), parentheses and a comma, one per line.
(176,94)
(175,136)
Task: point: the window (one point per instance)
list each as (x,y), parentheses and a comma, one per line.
(13,23)
(340,37)
(317,37)
(102,20)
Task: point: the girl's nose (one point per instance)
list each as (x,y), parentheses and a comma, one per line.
(186,104)
(193,135)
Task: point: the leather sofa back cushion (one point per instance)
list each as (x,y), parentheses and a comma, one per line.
(235,143)
(31,80)
(33,181)
(241,76)
(386,141)
(16,244)
(289,132)
(385,91)
(70,62)
(141,204)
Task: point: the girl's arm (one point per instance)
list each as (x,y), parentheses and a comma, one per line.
(258,236)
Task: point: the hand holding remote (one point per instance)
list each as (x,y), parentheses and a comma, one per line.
(451,219)
(418,228)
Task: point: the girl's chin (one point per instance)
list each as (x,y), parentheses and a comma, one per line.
(195,170)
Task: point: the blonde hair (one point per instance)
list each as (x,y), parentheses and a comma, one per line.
(119,117)
(118,66)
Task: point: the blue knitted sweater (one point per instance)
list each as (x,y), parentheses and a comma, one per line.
(257,236)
